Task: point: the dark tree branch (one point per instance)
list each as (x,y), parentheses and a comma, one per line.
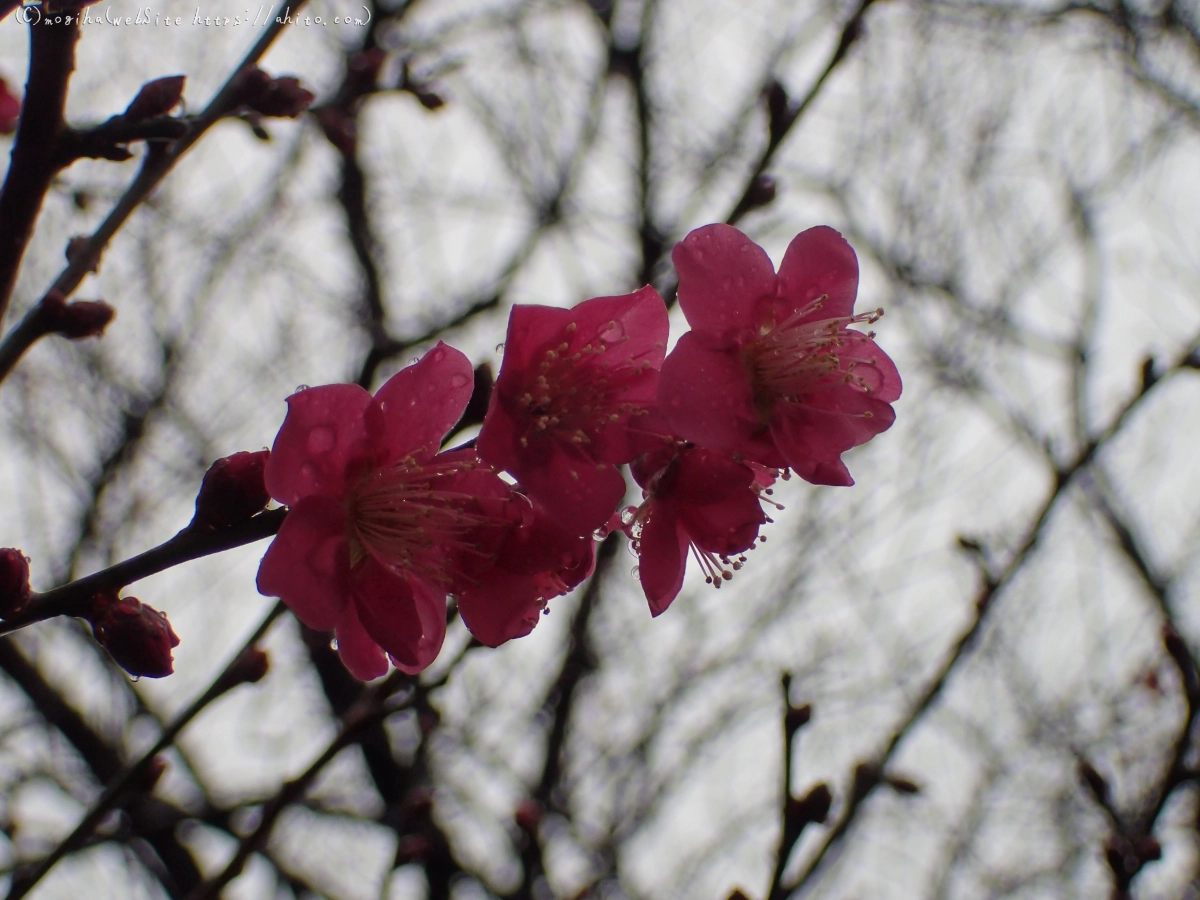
(559,706)
(72,599)
(375,705)
(234,674)
(984,604)
(160,159)
(796,815)
(35,152)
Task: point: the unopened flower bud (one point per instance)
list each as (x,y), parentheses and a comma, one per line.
(528,815)
(76,320)
(233,490)
(14,581)
(156,98)
(138,637)
(282,97)
(761,192)
(76,247)
(412,848)
(10,109)
(250,667)
(145,781)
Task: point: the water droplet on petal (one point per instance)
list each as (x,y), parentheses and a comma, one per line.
(458,380)
(301,387)
(636,571)
(500,347)
(611,332)
(321,439)
(628,514)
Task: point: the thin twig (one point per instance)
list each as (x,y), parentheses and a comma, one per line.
(116,789)
(155,167)
(33,166)
(984,603)
(191,543)
(370,708)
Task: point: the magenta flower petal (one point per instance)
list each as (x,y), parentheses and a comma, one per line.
(876,369)
(812,436)
(662,558)
(362,656)
(308,563)
(818,262)
(506,607)
(536,563)
(404,616)
(706,397)
(726,527)
(322,432)
(631,327)
(578,494)
(422,402)
(572,389)
(726,283)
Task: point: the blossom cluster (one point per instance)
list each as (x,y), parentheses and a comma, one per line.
(385,526)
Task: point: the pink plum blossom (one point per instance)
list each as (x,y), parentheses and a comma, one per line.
(382,526)
(537,562)
(698,501)
(771,369)
(571,388)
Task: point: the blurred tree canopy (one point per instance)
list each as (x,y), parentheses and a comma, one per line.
(995,631)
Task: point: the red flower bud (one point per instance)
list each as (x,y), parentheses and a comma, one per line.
(10,109)
(138,637)
(232,491)
(14,581)
(80,319)
(282,97)
(528,816)
(156,98)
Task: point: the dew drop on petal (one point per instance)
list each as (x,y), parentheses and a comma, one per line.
(321,439)
(628,514)
(301,387)
(611,332)
(458,380)
(636,571)
(500,347)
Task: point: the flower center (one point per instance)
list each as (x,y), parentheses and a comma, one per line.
(574,393)
(793,358)
(412,517)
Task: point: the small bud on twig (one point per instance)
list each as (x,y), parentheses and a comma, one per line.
(138,637)
(76,247)
(14,581)
(233,490)
(156,98)
(250,667)
(281,97)
(76,320)
(528,816)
